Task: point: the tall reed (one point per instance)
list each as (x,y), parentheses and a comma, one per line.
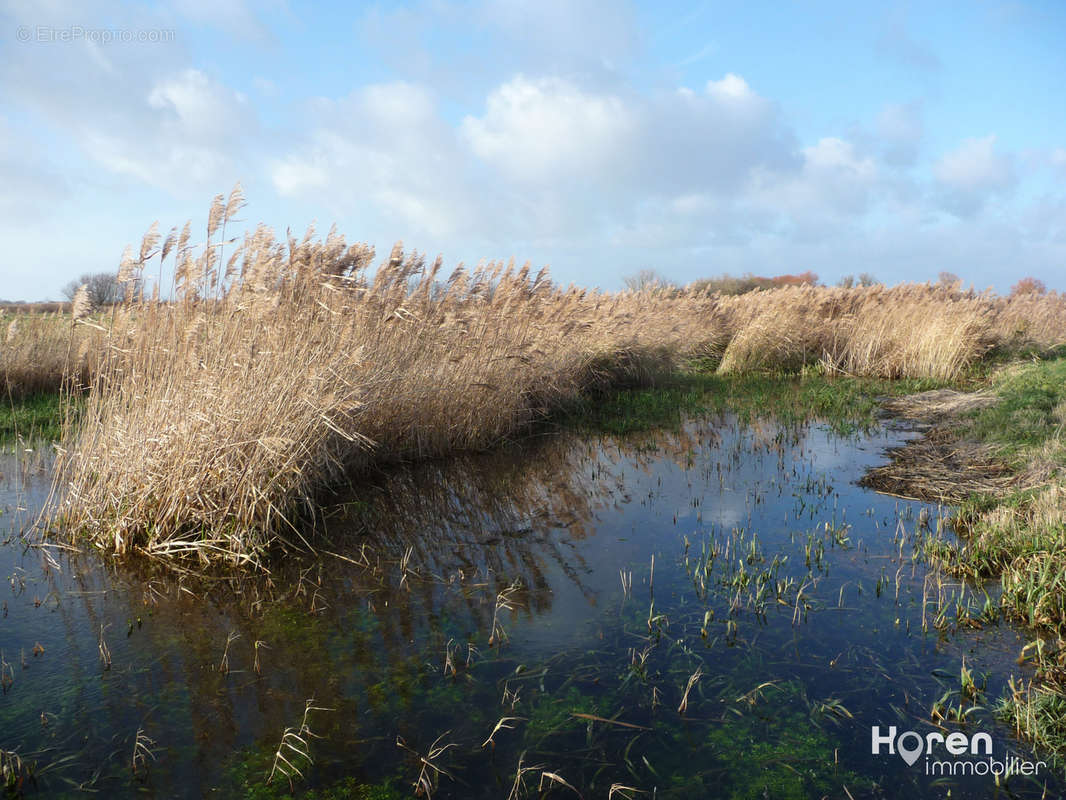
(215,420)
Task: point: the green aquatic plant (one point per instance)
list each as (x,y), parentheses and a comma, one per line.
(783,756)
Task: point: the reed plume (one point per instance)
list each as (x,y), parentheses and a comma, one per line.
(214,421)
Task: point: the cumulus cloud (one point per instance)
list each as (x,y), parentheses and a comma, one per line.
(197,106)
(384,153)
(185,131)
(973,173)
(548,129)
(134,109)
(540,129)
(834,188)
(667,142)
(545,158)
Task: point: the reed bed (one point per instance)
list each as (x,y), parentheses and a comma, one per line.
(40,351)
(214,421)
(909,330)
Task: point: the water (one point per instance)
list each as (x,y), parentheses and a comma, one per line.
(496,625)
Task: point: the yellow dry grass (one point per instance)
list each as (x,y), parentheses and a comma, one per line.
(39,351)
(214,422)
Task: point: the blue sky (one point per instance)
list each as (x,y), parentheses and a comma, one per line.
(693,138)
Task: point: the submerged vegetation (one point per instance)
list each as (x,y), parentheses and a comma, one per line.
(709,609)
(216,425)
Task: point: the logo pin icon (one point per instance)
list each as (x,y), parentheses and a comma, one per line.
(909,754)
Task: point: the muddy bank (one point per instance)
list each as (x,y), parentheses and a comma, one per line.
(943,466)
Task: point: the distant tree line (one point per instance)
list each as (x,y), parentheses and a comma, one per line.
(651,280)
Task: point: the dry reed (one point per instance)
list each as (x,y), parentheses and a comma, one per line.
(281,368)
(215,421)
(41,352)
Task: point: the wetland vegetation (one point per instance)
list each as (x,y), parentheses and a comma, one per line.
(310,532)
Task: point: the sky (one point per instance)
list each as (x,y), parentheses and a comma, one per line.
(598,137)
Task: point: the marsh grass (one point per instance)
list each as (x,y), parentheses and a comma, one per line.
(214,422)
(1018,533)
(39,416)
(848,405)
(217,420)
(293,755)
(41,352)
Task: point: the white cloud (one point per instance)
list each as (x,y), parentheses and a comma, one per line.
(547,159)
(385,154)
(543,130)
(731,88)
(835,187)
(972,173)
(297,175)
(135,110)
(200,107)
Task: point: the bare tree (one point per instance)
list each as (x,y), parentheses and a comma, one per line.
(1028,285)
(103,287)
(867,279)
(646,279)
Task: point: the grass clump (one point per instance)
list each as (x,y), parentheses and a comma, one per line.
(38,416)
(1030,414)
(40,352)
(1019,534)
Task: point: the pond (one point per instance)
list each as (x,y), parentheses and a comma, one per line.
(716,610)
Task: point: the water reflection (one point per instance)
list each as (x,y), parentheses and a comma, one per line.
(606,572)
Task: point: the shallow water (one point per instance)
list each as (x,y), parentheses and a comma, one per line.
(570,576)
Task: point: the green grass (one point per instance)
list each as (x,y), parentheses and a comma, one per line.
(1030,414)
(1027,428)
(1020,535)
(37,417)
(847,404)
